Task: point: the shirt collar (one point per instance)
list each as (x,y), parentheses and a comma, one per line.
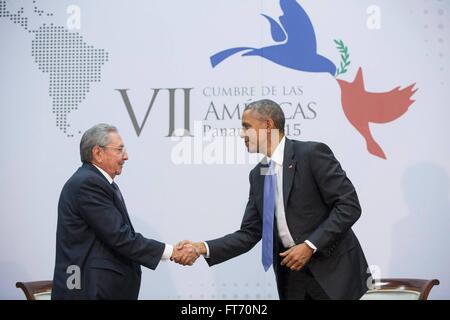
(107,176)
(278,153)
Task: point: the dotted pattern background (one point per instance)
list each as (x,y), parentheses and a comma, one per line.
(71,63)
(435,23)
(228,291)
(14,17)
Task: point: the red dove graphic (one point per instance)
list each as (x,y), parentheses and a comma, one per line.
(362,107)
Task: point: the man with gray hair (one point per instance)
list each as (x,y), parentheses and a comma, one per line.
(302,205)
(98,253)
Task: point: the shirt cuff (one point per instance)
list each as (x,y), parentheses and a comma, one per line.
(310,244)
(207,250)
(168,250)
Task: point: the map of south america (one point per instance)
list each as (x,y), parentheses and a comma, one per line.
(71,64)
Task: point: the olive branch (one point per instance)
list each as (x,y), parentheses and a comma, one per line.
(345,57)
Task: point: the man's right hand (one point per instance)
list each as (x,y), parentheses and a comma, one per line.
(199,247)
(185,254)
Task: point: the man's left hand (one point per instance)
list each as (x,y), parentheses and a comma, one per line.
(184,253)
(297,257)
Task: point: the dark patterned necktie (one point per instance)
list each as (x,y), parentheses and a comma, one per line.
(118,193)
(120,197)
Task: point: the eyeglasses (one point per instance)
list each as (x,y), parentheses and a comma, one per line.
(122,150)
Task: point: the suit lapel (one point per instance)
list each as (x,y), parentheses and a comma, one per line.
(120,203)
(289,167)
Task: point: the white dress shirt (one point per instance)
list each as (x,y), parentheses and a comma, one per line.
(168,248)
(283,230)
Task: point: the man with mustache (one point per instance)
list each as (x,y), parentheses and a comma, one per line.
(98,253)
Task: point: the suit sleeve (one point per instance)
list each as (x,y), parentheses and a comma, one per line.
(97,208)
(338,194)
(242,240)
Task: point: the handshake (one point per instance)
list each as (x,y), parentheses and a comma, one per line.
(187,252)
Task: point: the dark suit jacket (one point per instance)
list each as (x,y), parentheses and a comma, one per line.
(94,233)
(321,205)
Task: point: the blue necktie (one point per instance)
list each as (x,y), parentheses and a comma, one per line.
(268,216)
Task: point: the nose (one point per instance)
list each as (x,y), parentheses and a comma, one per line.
(125,156)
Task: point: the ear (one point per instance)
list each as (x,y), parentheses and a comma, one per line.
(97,154)
(270,124)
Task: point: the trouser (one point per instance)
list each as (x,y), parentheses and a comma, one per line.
(298,285)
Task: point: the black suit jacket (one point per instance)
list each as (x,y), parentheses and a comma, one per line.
(95,234)
(321,205)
